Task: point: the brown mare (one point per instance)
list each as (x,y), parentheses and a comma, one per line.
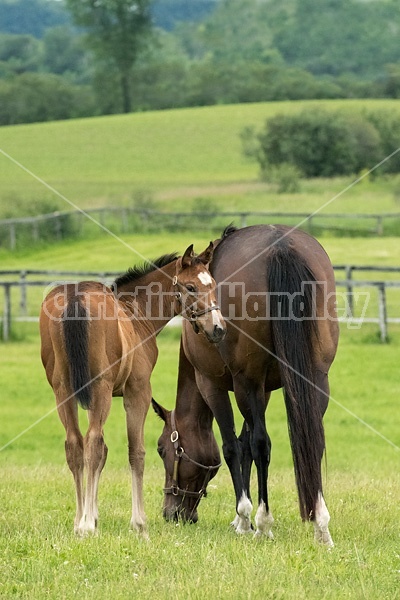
(276,290)
(99,342)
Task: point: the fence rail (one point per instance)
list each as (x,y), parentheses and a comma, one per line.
(49,278)
(64,224)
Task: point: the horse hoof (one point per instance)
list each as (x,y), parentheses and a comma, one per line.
(244,526)
(260,534)
(86,532)
(324,538)
(140,529)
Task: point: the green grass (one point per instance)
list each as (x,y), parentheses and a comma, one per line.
(41,558)
(178,154)
(182,155)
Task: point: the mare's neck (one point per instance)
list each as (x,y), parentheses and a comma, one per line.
(190,405)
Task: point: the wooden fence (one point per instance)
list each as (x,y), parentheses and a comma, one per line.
(23,280)
(59,225)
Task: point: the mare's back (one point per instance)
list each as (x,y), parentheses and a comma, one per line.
(242,256)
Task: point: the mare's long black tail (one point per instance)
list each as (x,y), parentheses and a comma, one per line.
(76,337)
(293,338)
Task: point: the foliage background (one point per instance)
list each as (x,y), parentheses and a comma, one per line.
(203,52)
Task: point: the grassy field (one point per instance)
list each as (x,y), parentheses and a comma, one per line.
(178,156)
(41,558)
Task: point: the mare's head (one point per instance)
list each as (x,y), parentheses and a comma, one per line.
(194,290)
(191,458)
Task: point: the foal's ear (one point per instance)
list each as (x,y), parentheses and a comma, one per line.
(206,256)
(159,410)
(188,256)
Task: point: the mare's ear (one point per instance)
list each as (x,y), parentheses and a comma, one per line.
(159,410)
(188,256)
(206,256)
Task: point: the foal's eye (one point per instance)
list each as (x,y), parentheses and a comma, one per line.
(161,451)
(190,288)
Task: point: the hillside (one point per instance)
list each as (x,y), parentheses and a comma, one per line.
(176,155)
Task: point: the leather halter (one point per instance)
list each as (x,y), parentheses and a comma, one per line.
(175,490)
(194,314)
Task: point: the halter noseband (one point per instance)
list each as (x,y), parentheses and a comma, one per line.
(175,490)
(194,314)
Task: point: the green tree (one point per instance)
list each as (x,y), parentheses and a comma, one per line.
(63,53)
(116,31)
(21,52)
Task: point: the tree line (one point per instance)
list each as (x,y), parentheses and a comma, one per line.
(73,58)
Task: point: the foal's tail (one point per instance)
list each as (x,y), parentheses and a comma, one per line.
(76,337)
(294,337)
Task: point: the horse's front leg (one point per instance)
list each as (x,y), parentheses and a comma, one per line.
(246,458)
(221,407)
(252,401)
(136,403)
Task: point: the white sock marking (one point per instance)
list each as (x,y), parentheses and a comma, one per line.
(264,521)
(321,522)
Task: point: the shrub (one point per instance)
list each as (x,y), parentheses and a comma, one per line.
(321,143)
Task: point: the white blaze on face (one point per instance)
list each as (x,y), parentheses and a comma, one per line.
(205,278)
(217,317)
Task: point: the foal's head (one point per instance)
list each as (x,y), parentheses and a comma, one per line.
(194,290)
(191,458)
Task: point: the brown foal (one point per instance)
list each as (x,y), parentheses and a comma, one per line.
(99,342)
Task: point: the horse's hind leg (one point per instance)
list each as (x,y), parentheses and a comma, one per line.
(136,404)
(68,412)
(321,514)
(95,455)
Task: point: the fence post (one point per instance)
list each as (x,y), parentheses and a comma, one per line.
(57,228)
(382,312)
(379,225)
(13,239)
(349,292)
(35,231)
(7,312)
(22,286)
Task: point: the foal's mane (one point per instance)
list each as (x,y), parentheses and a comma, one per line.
(135,273)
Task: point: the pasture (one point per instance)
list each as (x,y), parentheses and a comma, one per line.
(40,556)
(178,157)
(175,156)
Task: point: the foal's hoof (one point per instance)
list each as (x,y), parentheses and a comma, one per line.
(86,527)
(140,529)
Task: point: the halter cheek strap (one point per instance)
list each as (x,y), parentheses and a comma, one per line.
(194,314)
(180,453)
